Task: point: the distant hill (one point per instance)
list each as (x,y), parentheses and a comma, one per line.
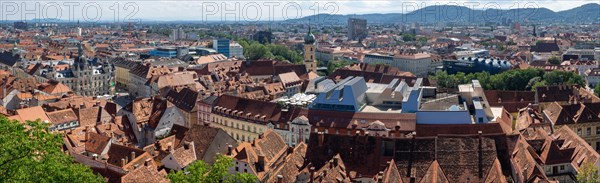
(588,13)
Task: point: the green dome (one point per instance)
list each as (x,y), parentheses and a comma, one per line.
(309,38)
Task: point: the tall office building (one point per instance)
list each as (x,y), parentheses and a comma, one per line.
(357,29)
(178,34)
(228,48)
(236,50)
(222,46)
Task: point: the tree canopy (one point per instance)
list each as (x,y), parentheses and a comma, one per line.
(32,154)
(554,60)
(199,171)
(408,37)
(335,65)
(526,79)
(253,50)
(588,173)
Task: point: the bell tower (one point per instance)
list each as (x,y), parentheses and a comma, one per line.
(310,48)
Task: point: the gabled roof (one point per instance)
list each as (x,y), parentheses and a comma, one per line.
(148,110)
(184,99)
(434,174)
(145,173)
(185,154)
(56,88)
(292,166)
(95,143)
(461,158)
(208,141)
(90,116)
(583,152)
(229,104)
(390,174)
(62,116)
(334,170)
(30,114)
(572,114)
(269,145)
(118,152)
(545,47)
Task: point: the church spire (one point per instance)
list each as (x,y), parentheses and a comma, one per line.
(80,49)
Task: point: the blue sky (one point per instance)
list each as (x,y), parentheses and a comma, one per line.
(242,10)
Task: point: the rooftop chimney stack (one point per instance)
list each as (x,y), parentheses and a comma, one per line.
(261,160)
(229,149)
(311,171)
(336,161)
(321,138)
(148,162)
(132,155)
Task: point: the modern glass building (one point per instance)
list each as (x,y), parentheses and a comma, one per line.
(476,64)
(164,52)
(222,46)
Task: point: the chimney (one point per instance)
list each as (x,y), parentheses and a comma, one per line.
(157,145)
(230,149)
(171,148)
(321,138)
(148,162)
(290,150)
(123,162)
(336,161)
(413,177)
(480,166)
(261,160)
(311,171)
(132,155)
(380,177)
(186,145)
(279,178)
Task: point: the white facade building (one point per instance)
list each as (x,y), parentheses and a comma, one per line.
(417,63)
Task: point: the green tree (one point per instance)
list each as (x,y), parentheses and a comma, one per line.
(588,173)
(408,37)
(527,79)
(218,172)
(597,89)
(281,51)
(335,65)
(32,154)
(257,51)
(560,77)
(554,60)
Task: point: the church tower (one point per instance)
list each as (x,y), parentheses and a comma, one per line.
(309,51)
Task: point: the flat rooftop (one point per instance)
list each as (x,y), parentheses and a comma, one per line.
(443,104)
(379,109)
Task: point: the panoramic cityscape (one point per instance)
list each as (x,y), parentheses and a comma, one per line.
(300,91)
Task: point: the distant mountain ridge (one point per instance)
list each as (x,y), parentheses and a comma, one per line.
(588,13)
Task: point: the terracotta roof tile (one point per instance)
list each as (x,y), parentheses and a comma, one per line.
(95,143)
(62,116)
